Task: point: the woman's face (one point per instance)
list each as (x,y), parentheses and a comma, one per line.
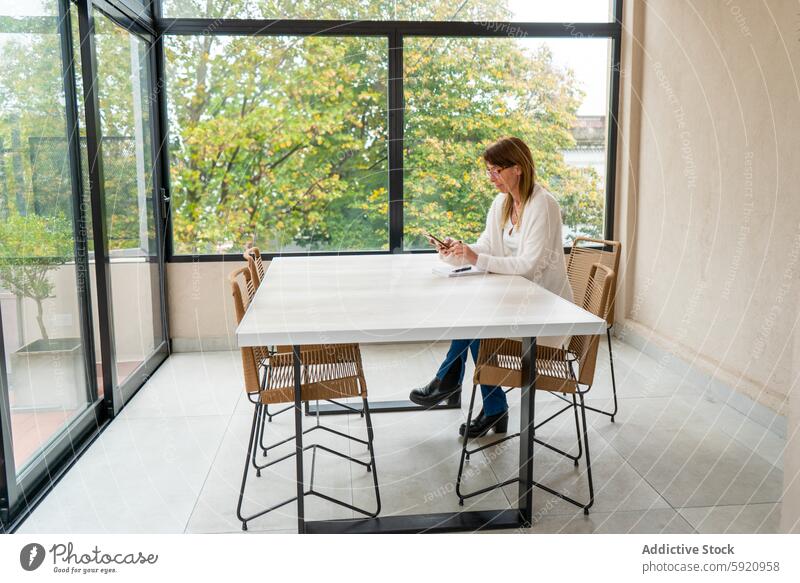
(504,179)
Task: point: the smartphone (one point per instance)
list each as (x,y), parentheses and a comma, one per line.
(438,240)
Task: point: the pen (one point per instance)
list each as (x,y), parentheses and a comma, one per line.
(460,269)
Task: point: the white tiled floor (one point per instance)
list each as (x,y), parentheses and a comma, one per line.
(675,460)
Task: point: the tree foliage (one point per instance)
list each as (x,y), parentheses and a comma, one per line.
(283,141)
(278,140)
(31,246)
(463,94)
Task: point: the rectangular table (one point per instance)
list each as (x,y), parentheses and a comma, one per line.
(397,298)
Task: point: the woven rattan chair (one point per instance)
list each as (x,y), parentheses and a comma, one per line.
(253,257)
(499,363)
(247,287)
(328,372)
(584,254)
(257,273)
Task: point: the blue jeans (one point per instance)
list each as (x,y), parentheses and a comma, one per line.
(494,398)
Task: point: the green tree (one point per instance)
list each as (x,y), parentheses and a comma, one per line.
(463,94)
(31,112)
(283,140)
(30,248)
(34,167)
(278,140)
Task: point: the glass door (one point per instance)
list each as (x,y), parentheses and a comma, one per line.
(48,392)
(82,321)
(126,108)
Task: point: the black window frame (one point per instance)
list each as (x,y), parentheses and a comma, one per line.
(395,31)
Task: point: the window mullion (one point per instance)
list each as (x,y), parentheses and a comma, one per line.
(396,142)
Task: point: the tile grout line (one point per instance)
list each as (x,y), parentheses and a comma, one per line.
(211,465)
(729,505)
(646,481)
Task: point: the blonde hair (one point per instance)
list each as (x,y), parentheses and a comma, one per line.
(512,151)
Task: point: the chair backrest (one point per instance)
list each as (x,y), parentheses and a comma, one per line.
(242,290)
(255,264)
(584,254)
(257,271)
(241,282)
(597,298)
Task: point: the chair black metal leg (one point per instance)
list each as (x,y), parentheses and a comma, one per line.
(266,415)
(612,413)
(588,459)
(260,429)
(464,454)
(613,377)
(370,438)
(268,418)
(577,429)
(250,448)
(370,432)
(265,372)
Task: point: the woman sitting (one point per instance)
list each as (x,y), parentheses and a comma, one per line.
(522,237)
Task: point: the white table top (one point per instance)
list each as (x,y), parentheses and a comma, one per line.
(396,298)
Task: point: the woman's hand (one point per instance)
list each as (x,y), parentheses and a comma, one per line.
(442,249)
(464,252)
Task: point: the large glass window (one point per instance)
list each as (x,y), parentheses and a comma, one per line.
(462,94)
(46,374)
(281,141)
(278,141)
(462,10)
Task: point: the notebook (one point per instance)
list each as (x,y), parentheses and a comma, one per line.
(450,271)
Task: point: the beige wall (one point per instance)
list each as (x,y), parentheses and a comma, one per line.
(790,510)
(716,222)
(200,305)
(708,181)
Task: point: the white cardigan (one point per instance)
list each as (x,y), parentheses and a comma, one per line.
(540,257)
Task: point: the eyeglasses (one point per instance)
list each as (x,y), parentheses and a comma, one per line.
(494,170)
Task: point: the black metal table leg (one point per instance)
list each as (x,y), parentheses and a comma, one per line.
(298,439)
(527,430)
(377,407)
(469,520)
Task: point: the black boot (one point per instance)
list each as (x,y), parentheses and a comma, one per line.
(481,425)
(437,390)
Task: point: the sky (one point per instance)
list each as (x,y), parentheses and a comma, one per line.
(560,10)
(588,58)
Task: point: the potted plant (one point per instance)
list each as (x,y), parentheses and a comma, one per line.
(47,372)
